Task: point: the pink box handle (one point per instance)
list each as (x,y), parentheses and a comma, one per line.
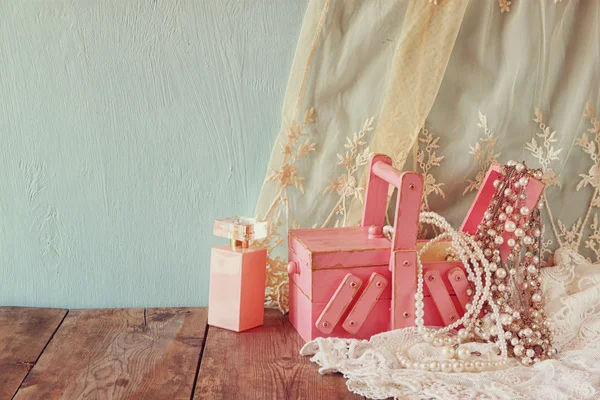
(408,202)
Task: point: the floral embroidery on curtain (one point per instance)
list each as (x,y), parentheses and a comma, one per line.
(484,153)
(357,156)
(584,234)
(426,161)
(297,145)
(503,4)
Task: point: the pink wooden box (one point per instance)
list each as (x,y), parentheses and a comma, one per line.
(352,282)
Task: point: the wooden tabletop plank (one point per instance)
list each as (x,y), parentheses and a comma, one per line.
(120,354)
(24,332)
(263,363)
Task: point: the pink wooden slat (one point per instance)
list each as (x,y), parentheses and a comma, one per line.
(459,282)
(365,303)
(441,297)
(338,304)
(404,287)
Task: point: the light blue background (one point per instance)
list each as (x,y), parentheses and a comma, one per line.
(126,127)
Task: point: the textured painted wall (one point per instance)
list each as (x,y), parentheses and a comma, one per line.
(126,127)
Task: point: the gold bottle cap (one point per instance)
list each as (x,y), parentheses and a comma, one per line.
(240,230)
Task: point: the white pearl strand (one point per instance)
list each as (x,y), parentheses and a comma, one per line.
(467,250)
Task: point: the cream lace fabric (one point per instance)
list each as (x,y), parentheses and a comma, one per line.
(572,292)
(445,90)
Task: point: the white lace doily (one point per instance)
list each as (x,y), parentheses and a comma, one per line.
(572,293)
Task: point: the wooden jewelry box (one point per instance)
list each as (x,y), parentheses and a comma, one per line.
(353,282)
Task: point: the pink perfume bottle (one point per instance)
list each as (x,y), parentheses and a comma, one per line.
(237,275)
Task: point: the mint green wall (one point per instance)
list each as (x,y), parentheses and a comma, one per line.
(126,127)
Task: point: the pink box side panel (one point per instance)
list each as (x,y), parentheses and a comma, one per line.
(298,252)
(302,277)
(367,300)
(339,303)
(303,314)
(376,322)
(339,239)
(326,281)
(482,201)
(320,284)
(253,289)
(225,288)
(483,198)
(300,314)
(443,267)
(441,297)
(351,258)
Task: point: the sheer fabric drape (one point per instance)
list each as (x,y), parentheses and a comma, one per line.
(353,59)
(445,90)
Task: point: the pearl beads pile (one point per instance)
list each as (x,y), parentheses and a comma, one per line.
(516,286)
(495,314)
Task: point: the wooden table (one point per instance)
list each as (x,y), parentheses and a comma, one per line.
(160,353)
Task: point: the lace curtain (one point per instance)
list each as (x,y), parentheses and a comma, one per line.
(445,90)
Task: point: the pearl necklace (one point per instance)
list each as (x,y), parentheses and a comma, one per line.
(483,319)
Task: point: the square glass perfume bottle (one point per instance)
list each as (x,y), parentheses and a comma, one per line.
(237,275)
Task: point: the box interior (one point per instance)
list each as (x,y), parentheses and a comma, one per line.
(437,252)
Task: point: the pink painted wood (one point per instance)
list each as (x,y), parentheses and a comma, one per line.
(320,260)
(338,303)
(404,281)
(484,196)
(460,284)
(441,297)
(302,309)
(367,300)
(406,225)
(408,201)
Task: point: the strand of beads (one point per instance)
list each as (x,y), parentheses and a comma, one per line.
(456,360)
(496,313)
(516,284)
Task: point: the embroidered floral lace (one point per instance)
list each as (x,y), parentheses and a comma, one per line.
(444,90)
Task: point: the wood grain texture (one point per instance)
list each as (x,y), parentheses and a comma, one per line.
(263,363)
(120,354)
(24,332)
